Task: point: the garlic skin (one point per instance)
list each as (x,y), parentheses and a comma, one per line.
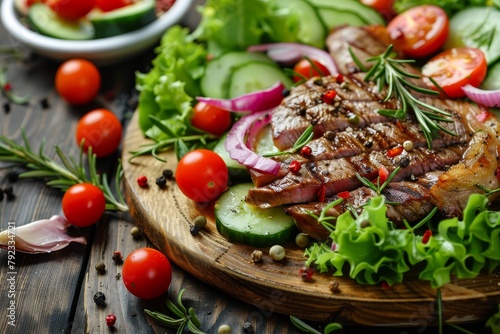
(41,236)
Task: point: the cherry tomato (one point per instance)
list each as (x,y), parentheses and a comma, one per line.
(101,129)
(108,5)
(452,69)
(78,81)
(201,175)
(308,68)
(147,273)
(384,7)
(71,9)
(211,119)
(83,204)
(419,31)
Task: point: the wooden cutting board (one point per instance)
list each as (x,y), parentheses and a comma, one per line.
(165,216)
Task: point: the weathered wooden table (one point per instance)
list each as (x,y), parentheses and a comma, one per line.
(52,293)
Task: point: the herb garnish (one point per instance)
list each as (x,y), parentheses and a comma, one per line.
(390,71)
(329,328)
(62,176)
(377,187)
(304,138)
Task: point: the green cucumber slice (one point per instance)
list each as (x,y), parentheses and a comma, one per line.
(215,82)
(123,20)
(364,13)
(46,22)
(264,143)
(256,76)
(249,225)
(333,18)
(492,80)
(472,27)
(237,172)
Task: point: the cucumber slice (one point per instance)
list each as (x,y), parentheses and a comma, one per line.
(472,27)
(311,30)
(333,18)
(492,81)
(256,76)
(265,142)
(249,225)
(215,82)
(123,20)
(46,22)
(237,172)
(364,13)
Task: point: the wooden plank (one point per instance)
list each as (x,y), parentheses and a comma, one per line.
(165,217)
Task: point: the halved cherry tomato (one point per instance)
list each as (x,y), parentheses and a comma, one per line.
(384,7)
(455,68)
(201,175)
(71,9)
(77,81)
(146,273)
(211,119)
(419,31)
(308,68)
(83,204)
(101,129)
(109,5)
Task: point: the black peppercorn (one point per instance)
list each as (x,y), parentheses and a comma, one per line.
(285,92)
(405,162)
(100,299)
(161,181)
(168,174)
(194,230)
(117,257)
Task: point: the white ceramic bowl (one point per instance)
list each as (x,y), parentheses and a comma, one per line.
(101,51)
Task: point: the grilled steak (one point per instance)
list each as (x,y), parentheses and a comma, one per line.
(351,138)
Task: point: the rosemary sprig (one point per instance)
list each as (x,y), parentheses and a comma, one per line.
(390,71)
(182,317)
(7,90)
(302,141)
(487,191)
(377,187)
(323,217)
(329,328)
(61,175)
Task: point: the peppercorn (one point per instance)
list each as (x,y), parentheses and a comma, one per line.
(117,257)
(44,103)
(168,174)
(285,92)
(277,252)
(306,273)
(306,151)
(302,240)
(110,320)
(334,286)
(294,167)
(194,230)
(161,181)
(256,256)
(408,145)
(100,299)
(13,176)
(9,192)
(224,329)
(135,232)
(6,107)
(200,222)
(100,267)
(142,181)
(329,96)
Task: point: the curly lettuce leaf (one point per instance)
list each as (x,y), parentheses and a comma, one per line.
(374,252)
(493,322)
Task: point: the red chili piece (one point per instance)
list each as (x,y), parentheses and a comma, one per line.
(142,181)
(110,320)
(322,194)
(344,194)
(7,87)
(395,151)
(306,273)
(383,174)
(329,96)
(385,285)
(294,167)
(427,235)
(339,78)
(483,116)
(306,151)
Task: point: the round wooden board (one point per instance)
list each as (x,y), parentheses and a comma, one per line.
(165,216)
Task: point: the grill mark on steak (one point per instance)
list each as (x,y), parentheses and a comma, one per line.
(339,175)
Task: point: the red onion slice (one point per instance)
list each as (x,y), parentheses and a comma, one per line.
(290,53)
(238,150)
(488,98)
(255,101)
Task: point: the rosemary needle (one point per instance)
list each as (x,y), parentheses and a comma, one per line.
(64,175)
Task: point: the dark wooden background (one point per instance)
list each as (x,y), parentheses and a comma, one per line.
(54,291)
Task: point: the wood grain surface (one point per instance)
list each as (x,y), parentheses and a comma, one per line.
(165,216)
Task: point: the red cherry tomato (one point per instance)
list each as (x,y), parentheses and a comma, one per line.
(384,7)
(201,175)
(108,5)
(211,119)
(419,31)
(455,68)
(83,204)
(308,68)
(71,9)
(78,81)
(147,273)
(101,129)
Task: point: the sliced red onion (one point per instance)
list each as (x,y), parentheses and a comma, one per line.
(41,236)
(488,98)
(255,101)
(238,150)
(290,53)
